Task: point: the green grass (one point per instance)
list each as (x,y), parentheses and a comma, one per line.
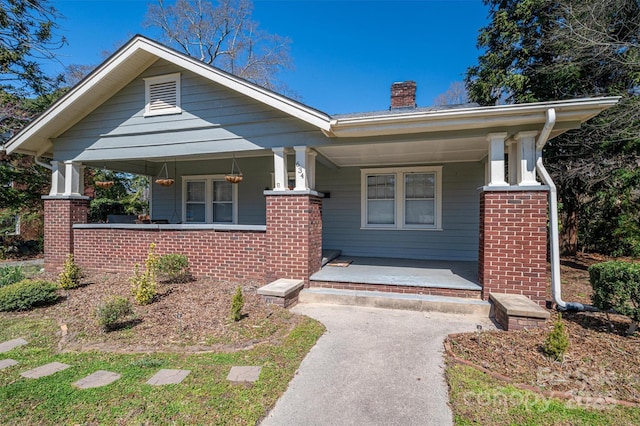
(205,397)
(476,398)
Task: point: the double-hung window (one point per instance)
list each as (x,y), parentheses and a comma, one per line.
(402,198)
(209,199)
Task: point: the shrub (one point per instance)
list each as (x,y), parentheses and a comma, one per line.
(616,285)
(144,284)
(70,275)
(113,311)
(236,305)
(557,341)
(175,267)
(27,294)
(10,275)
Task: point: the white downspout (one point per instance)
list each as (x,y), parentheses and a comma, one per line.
(39,162)
(553,209)
(553,220)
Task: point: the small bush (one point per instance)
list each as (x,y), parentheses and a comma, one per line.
(236,305)
(557,341)
(70,275)
(27,294)
(113,311)
(144,284)
(10,275)
(174,267)
(616,285)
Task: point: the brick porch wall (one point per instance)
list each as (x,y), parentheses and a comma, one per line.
(291,247)
(294,235)
(60,216)
(222,255)
(513,243)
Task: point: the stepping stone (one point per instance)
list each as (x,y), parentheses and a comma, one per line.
(246,374)
(45,370)
(10,344)
(168,377)
(97,379)
(4,363)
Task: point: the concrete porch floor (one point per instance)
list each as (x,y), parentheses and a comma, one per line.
(402,272)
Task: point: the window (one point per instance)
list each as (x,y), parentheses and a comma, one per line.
(162,95)
(402,198)
(209,199)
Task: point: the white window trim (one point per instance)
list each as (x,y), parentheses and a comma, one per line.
(208,197)
(162,79)
(399,198)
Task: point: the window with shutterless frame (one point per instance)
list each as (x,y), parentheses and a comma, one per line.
(209,199)
(401,198)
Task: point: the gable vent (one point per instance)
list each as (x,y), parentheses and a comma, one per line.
(162,95)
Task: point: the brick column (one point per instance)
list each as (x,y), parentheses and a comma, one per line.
(294,234)
(512,256)
(60,214)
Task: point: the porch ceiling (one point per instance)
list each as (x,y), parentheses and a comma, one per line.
(402,153)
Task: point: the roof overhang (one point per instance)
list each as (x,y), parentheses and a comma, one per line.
(444,125)
(577,111)
(118,71)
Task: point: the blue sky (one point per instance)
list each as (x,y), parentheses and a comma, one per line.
(346,53)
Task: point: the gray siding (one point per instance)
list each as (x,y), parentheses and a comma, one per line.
(214,119)
(167,201)
(460,216)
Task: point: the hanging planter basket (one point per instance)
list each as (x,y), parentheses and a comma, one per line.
(104,184)
(164,181)
(236,174)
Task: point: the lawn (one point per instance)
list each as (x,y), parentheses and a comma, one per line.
(174,332)
(601,362)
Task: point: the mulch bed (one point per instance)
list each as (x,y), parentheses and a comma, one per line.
(601,361)
(191,316)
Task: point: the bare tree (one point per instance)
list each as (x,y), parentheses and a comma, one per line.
(456,94)
(223,35)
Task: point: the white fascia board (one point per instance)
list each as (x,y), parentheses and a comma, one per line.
(267,97)
(467,118)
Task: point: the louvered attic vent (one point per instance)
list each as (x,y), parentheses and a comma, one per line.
(162,95)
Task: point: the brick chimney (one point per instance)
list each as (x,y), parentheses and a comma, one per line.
(403,95)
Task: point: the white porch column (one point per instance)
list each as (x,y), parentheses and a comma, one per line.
(73,179)
(496,159)
(57,178)
(311,168)
(305,168)
(513,162)
(526,158)
(281,180)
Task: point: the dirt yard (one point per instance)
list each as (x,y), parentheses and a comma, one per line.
(601,361)
(191,316)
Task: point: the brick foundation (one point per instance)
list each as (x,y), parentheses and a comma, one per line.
(294,235)
(60,216)
(431,291)
(513,243)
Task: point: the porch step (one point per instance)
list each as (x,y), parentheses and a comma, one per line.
(403,301)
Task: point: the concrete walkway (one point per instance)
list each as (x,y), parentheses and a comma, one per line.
(372,367)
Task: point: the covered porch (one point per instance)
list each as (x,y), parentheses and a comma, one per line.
(394,275)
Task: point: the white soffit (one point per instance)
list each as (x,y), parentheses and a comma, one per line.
(405,153)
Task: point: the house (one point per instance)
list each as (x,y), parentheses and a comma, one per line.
(454,186)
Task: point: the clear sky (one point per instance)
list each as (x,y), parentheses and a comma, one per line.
(346,53)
